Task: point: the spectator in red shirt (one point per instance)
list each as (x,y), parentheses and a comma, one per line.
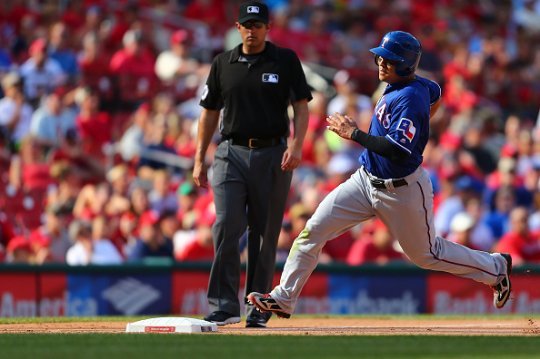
(195,244)
(375,245)
(210,12)
(522,244)
(93,125)
(133,69)
(93,62)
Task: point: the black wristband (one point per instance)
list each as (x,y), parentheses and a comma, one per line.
(354,134)
(378,144)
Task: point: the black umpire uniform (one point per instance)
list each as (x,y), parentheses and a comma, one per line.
(250,186)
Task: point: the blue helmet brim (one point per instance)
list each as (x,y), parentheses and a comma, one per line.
(385,54)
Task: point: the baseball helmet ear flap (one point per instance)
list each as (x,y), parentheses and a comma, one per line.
(402,48)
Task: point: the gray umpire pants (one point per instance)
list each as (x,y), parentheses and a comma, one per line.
(250,191)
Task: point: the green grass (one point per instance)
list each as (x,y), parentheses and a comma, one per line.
(155,346)
(213,345)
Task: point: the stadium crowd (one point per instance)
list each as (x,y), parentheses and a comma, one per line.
(99,108)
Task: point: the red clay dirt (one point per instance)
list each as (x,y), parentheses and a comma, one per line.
(321,326)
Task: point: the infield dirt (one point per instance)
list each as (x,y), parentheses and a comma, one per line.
(322,326)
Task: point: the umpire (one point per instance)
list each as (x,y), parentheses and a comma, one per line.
(254,84)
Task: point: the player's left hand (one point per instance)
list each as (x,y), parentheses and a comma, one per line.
(343,125)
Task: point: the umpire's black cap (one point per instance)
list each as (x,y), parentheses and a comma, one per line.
(253,10)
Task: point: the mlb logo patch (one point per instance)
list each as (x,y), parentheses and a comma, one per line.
(252,9)
(272,78)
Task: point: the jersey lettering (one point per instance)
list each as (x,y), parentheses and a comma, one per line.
(380,112)
(386,121)
(407,127)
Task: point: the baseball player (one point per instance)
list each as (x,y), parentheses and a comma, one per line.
(390,184)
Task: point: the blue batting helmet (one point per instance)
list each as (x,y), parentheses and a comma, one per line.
(402,48)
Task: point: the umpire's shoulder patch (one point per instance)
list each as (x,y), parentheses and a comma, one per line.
(204,92)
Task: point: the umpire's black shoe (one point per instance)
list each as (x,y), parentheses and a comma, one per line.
(256,319)
(222,318)
(502,290)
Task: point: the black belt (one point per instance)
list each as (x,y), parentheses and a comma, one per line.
(257,142)
(379,183)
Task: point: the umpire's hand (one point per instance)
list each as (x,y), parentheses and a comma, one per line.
(200,177)
(343,125)
(291,158)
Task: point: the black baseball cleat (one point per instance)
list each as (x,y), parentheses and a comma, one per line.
(257,319)
(502,290)
(222,318)
(265,303)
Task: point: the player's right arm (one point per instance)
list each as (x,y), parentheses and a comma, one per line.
(346,128)
(205,131)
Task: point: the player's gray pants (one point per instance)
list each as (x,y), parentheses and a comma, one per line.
(407,212)
(250,189)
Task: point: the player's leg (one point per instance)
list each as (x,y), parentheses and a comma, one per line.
(344,207)
(230,201)
(408,212)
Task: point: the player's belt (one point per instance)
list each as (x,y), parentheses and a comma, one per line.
(256,142)
(385,183)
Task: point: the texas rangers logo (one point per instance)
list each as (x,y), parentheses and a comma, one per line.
(407,127)
(252,9)
(273,78)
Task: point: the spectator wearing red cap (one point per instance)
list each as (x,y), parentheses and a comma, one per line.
(151,243)
(19,250)
(41,73)
(177,68)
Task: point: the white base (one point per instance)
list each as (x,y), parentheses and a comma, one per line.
(171,325)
